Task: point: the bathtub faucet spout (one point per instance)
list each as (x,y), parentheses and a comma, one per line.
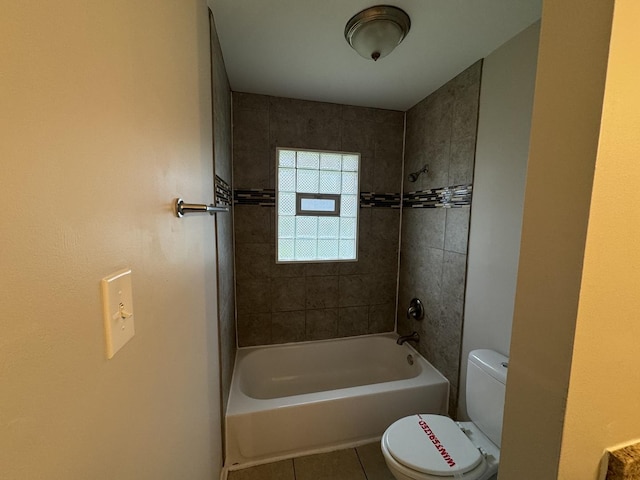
(414,337)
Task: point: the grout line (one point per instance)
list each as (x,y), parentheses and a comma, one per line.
(293,464)
(364,472)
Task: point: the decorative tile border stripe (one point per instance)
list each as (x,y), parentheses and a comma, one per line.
(377,200)
(223,192)
(446,197)
(265,197)
(456,196)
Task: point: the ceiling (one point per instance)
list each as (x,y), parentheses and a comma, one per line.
(296,48)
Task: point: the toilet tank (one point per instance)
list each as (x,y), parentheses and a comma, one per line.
(486,380)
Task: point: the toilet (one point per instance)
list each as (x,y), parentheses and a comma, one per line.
(434,447)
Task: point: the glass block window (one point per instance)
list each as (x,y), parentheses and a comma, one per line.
(317,195)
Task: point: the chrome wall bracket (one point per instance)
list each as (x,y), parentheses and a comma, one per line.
(181,208)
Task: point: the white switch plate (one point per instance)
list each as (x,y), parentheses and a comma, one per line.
(117,307)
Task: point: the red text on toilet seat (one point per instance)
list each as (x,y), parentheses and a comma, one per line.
(436,443)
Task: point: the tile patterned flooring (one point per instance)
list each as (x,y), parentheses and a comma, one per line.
(361,463)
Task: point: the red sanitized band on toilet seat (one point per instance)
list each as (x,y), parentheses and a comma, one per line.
(436,442)
(431,444)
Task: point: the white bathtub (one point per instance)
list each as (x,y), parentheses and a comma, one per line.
(317,396)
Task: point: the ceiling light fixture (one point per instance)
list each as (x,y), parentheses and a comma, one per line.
(376,31)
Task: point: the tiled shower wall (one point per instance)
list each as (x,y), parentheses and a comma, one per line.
(279,303)
(224,221)
(441,132)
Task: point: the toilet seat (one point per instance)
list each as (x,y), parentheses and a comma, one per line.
(433,446)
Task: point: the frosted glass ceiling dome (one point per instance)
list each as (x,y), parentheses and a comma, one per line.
(376,31)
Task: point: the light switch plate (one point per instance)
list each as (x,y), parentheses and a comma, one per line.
(117,306)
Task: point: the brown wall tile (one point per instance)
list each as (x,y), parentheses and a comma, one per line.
(263,123)
(254,260)
(288,294)
(441,131)
(321,292)
(252,224)
(288,327)
(321,324)
(382,317)
(457,230)
(353,321)
(253,295)
(254,329)
(354,290)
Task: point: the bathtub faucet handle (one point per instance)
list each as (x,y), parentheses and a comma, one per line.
(415,310)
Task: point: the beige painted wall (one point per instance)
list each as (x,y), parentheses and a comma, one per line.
(572,62)
(604,390)
(502,150)
(106,117)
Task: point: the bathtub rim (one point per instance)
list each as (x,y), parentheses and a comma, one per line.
(392,335)
(236,390)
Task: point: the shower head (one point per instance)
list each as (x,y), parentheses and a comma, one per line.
(414,176)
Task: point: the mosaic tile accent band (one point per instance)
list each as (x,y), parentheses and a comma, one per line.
(223,192)
(377,200)
(264,197)
(446,197)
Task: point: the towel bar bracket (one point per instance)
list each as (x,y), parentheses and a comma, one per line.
(181,208)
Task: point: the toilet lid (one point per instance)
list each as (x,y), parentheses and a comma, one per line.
(431,444)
